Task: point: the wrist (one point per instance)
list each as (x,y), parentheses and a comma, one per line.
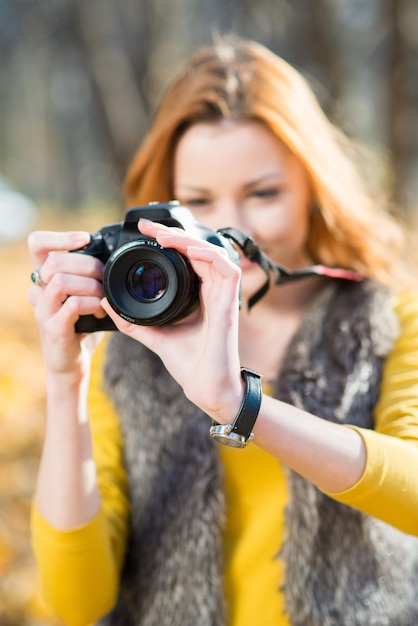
(239,432)
(65,380)
(67,387)
(230,403)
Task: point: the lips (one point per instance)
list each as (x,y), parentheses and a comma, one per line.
(245,263)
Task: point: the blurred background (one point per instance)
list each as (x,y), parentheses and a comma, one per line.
(78,82)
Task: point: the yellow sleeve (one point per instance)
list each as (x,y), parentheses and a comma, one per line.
(388,488)
(108,455)
(79,570)
(76,569)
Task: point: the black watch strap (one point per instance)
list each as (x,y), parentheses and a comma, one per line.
(239,433)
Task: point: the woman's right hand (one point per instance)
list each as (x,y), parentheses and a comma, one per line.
(69,286)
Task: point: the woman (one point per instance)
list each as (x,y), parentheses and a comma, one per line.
(141,515)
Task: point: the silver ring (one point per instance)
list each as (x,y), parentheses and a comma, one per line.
(36,278)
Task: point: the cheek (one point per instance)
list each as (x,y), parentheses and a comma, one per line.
(274,224)
(292,214)
(209,222)
(287,229)
(209,219)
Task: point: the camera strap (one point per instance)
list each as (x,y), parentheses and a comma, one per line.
(278,273)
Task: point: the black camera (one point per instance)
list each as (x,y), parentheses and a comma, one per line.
(144,283)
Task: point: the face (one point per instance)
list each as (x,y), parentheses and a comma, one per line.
(240,175)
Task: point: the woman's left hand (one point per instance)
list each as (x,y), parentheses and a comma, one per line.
(201,351)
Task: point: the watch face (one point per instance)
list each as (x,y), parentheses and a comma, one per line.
(222,434)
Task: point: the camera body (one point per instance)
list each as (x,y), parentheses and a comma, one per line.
(144,283)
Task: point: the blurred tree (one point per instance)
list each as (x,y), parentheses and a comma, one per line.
(78,80)
(116,84)
(402,94)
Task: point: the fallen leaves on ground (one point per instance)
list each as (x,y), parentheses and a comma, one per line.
(22,404)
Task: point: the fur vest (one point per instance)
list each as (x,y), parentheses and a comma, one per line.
(342,567)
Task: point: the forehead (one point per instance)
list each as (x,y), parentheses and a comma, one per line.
(229,151)
(230,135)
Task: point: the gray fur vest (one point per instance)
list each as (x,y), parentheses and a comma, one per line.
(342,567)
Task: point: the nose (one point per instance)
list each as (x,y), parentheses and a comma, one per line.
(234,216)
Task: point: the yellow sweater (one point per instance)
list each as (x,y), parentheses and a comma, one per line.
(79,569)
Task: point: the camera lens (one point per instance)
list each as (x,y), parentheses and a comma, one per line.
(150,285)
(147,281)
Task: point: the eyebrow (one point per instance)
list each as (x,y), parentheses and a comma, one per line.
(266,177)
(252,183)
(190,187)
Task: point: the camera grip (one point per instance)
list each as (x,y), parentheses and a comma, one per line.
(91,324)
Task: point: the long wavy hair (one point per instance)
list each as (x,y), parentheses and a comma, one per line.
(238,79)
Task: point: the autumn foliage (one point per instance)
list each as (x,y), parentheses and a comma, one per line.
(21,428)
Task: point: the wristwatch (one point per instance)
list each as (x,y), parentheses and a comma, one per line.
(239,433)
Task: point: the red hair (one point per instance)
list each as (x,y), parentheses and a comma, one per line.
(241,80)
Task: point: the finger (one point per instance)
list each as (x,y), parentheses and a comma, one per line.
(42,242)
(220,283)
(36,278)
(169,236)
(150,336)
(75,264)
(150,228)
(212,265)
(65,318)
(63,287)
(120,323)
(182,241)
(33,295)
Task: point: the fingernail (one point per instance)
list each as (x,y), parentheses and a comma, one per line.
(80,238)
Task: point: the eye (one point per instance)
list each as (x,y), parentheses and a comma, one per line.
(266,192)
(196,202)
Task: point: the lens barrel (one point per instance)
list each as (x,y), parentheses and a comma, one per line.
(149,285)
(147,281)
